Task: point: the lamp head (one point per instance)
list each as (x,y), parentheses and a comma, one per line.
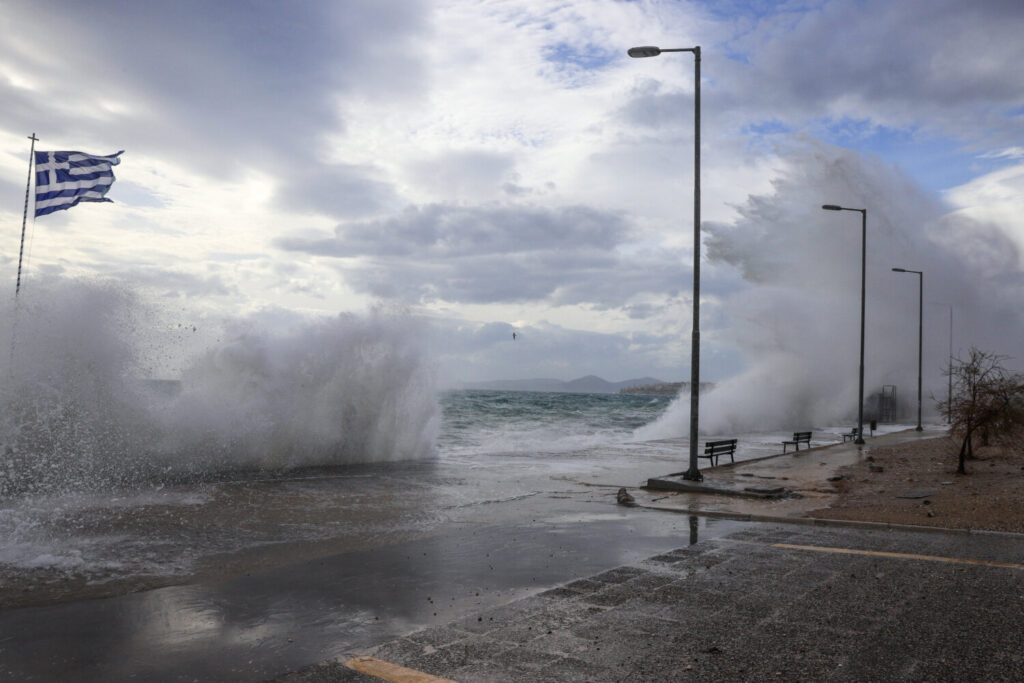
(831,207)
(899,270)
(645,51)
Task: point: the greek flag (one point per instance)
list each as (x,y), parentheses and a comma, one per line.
(65,178)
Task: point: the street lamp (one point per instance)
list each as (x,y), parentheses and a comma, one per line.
(949,399)
(693,473)
(920,319)
(863,276)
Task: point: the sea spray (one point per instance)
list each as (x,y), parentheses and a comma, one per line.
(69,417)
(78,414)
(797,322)
(344,390)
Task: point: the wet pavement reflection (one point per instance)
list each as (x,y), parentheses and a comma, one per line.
(283,618)
(290,571)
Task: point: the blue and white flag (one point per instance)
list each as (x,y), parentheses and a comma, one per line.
(65,178)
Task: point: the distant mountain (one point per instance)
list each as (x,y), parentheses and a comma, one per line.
(591,384)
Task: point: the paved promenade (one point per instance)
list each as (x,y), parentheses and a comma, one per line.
(786,598)
(767,602)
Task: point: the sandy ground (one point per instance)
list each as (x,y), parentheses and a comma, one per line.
(916,483)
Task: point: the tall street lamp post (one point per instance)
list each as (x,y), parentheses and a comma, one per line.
(949,376)
(949,413)
(920,325)
(649,51)
(863,279)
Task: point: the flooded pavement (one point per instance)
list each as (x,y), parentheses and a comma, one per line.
(250,577)
(281,618)
(767,602)
(94,545)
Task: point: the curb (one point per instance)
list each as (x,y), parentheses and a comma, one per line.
(819,521)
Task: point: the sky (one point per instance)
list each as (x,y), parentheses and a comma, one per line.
(496,166)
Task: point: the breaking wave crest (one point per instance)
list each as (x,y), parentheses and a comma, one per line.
(81,412)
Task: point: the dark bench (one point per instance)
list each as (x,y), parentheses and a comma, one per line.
(798,438)
(713,449)
(851,436)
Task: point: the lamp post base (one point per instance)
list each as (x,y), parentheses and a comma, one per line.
(693,475)
(859,441)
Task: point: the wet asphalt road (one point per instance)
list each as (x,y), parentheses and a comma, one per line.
(500,555)
(608,595)
(768,602)
(280,619)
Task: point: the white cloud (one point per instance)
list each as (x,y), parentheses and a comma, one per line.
(494,161)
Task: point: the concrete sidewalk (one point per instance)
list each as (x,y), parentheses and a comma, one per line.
(770,601)
(791,598)
(789,485)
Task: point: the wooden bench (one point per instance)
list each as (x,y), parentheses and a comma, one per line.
(713,449)
(852,436)
(798,438)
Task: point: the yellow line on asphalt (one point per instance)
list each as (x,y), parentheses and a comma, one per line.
(900,556)
(392,672)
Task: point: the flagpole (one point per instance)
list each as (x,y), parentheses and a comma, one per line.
(24,215)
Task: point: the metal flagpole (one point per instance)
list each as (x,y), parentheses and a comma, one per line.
(24,215)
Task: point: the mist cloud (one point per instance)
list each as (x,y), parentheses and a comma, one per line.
(797,322)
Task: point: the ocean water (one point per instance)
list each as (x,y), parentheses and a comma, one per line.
(492,423)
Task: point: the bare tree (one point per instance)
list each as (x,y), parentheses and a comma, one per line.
(986,399)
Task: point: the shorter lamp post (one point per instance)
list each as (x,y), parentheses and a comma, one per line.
(920,319)
(863,280)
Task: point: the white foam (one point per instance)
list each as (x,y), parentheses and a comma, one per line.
(74,416)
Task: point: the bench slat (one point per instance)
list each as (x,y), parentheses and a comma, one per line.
(714,449)
(798,438)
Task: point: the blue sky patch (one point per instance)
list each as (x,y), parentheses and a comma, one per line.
(585,57)
(937,163)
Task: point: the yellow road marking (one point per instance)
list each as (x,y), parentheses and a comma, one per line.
(901,556)
(391,672)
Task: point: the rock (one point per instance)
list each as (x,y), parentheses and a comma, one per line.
(838,477)
(876,468)
(624,498)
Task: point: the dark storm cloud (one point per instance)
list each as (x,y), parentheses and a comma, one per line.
(336,190)
(492,253)
(216,87)
(946,66)
(948,62)
(446,231)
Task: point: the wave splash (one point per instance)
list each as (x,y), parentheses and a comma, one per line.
(75,414)
(792,307)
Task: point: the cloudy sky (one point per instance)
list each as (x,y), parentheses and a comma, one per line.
(495,165)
